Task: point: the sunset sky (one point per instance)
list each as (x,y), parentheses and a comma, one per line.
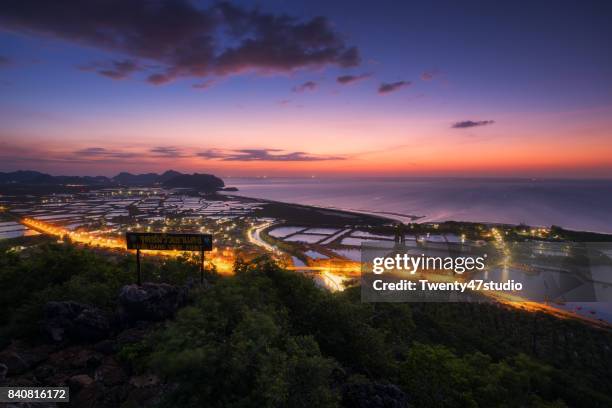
(309,88)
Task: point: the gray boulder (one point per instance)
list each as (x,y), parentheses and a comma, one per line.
(75,321)
(149,302)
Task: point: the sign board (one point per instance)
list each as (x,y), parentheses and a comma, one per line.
(168,241)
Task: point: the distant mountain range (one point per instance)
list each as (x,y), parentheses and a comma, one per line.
(168,179)
(129,179)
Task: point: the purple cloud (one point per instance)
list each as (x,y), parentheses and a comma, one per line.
(429,75)
(102,153)
(160,79)
(248,155)
(349,79)
(385,88)
(166,151)
(120,69)
(306,86)
(184,38)
(470,124)
(203,85)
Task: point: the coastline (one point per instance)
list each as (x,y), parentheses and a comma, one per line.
(582,205)
(394,217)
(319,216)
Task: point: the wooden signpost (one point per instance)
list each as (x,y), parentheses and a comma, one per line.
(158,241)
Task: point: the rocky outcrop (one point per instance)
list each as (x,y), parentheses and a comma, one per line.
(149,302)
(110,372)
(74,321)
(18,358)
(78,322)
(374,395)
(80,381)
(95,379)
(82,353)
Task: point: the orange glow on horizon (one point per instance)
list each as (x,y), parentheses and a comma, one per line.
(570,144)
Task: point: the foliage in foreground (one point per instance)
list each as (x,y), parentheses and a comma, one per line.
(270,338)
(52,271)
(267,337)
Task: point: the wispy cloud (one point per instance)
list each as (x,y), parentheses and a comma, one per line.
(28,156)
(268,155)
(203,85)
(160,78)
(471,123)
(429,75)
(350,79)
(212,154)
(385,88)
(306,86)
(119,69)
(167,151)
(103,153)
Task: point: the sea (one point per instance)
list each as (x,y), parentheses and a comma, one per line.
(583,205)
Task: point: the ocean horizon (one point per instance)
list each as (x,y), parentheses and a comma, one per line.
(576,204)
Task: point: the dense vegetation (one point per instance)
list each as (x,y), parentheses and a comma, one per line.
(51,271)
(268,337)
